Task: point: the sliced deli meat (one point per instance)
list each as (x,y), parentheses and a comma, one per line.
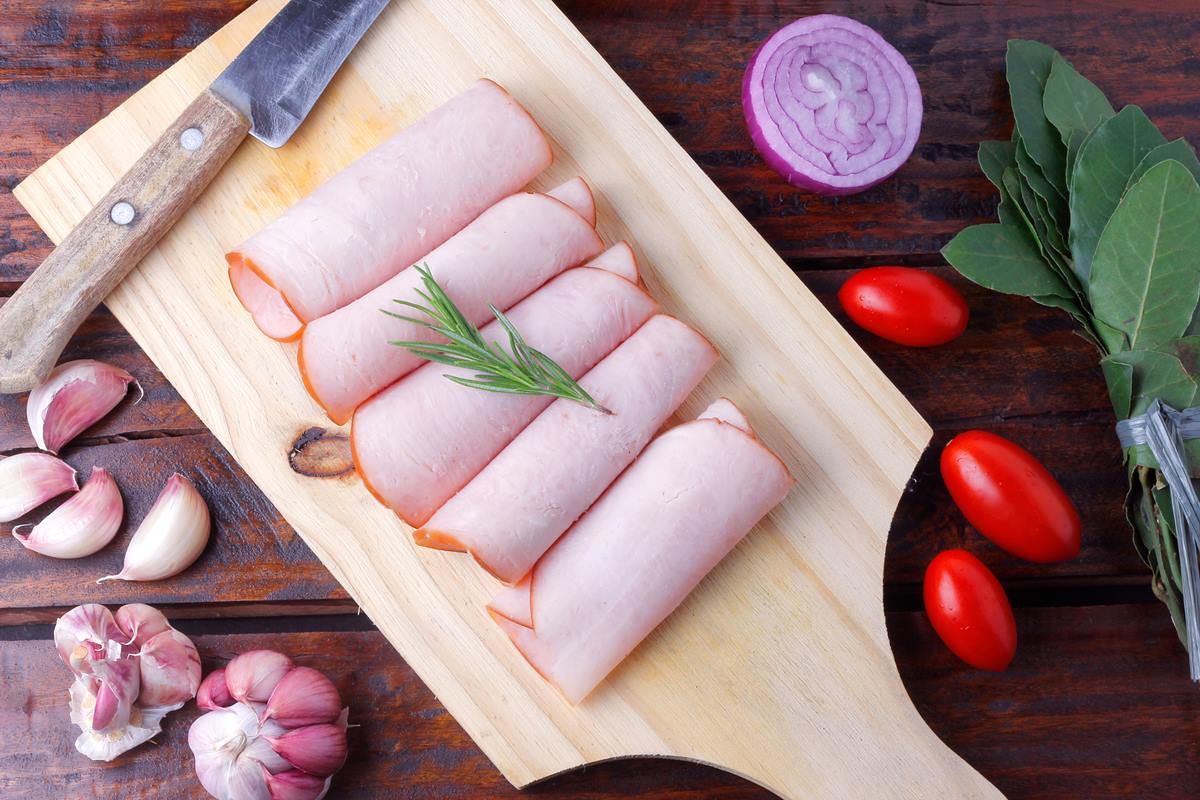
(507,252)
(386,210)
(578,195)
(619,259)
(685,502)
(422,439)
(530,493)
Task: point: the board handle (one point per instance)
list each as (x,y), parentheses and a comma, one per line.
(45,311)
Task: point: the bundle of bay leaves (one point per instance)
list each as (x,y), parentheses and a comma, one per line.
(1100,217)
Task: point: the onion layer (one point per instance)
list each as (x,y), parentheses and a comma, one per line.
(830,105)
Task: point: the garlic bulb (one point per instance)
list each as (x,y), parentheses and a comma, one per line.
(130,670)
(248,750)
(82,525)
(72,398)
(171,536)
(29,479)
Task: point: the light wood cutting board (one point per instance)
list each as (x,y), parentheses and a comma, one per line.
(778,667)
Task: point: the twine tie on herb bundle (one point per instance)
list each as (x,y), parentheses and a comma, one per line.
(1163,430)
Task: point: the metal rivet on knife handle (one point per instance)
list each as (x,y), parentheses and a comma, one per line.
(122,213)
(191,139)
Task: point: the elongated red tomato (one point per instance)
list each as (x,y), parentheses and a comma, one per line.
(1010,497)
(905,305)
(970,611)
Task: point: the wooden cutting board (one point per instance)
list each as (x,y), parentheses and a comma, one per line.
(778,666)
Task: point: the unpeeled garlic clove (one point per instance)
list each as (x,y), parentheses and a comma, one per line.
(316,749)
(170,670)
(295,785)
(140,623)
(81,526)
(29,479)
(213,693)
(303,696)
(170,538)
(73,398)
(82,635)
(253,675)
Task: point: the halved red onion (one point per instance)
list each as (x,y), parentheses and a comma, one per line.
(831,106)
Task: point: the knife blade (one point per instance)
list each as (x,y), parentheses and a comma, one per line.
(276,80)
(266,91)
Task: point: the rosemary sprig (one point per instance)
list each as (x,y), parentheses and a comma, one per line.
(523,370)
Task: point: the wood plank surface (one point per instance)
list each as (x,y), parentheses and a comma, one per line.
(1048,728)
(1018,371)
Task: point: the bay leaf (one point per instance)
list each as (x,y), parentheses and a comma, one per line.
(1071,102)
(1074,145)
(994,157)
(1038,183)
(1118,375)
(1027,66)
(1103,167)
(1040,226)
(1177,149)
(1146,275)
(1003,258)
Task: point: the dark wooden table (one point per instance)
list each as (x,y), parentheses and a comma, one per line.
(1096,704)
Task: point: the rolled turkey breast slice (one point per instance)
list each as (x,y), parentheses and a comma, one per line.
(578,195)
(640,550)
(619,259)
(387,209)
(422,439)
(529,494)
(507,252)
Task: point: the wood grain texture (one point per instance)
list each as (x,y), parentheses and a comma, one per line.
(1045,729)
(63,65)
(89,262)
(781,606)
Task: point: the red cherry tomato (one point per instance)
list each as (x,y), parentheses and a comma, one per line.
(905,305)
(1010,497)
(970,611)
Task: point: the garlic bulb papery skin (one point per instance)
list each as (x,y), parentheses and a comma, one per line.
(126,678)
(81,526)
(231,752)
(243,753)
(253,676)
(74,397)
(27,480)
(170,538)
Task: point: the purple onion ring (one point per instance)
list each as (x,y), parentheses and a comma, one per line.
(830,105)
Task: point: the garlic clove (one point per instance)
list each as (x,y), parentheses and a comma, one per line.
(252,676)
(170,670)
(213,693)
(170,538)
(106,745)
(81,636)
(140,623)
(303,696)
(73,398)
(81,526)
(30,479)
(230,753)
(295,785)
(120,681)
(316,749)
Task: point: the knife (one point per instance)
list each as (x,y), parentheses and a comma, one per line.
(267,92)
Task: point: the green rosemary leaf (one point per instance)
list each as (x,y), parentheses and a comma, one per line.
(521,370)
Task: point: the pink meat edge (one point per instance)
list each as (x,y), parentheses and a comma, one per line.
(619,260)
(578,195)
(267,305)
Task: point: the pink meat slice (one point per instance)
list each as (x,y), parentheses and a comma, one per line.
(619,259)
(640,550)
(507,252)
(422,439)
(389,208)
(513,510)
(578,195)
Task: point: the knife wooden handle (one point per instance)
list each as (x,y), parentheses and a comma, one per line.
(45,311)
